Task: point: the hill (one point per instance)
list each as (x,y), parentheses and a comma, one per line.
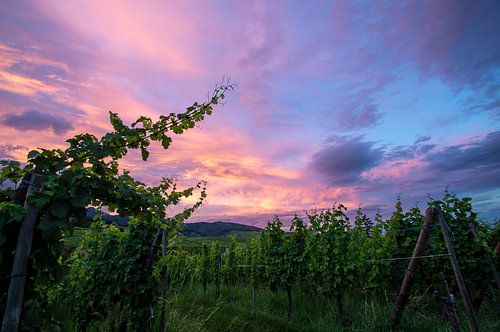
(219,228)
(201,229)
(107,218)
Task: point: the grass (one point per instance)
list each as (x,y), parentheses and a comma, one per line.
(73,240)
(187,242)
(191,311)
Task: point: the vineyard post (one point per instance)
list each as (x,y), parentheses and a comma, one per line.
(458,274)
(452,290)
(234,284)
(404,292)
(14,304)
(289,295)
(153,250)
(493,270)
(478,297)
(217,276)
(22,189)
(164,285)
(254,296)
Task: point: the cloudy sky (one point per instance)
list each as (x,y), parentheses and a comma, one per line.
(336,101)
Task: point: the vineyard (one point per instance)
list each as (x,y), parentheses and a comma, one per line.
(328,257)
(327,272)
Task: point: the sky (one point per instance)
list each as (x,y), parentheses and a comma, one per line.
(354,102)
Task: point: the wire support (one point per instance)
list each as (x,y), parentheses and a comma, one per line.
(406,258)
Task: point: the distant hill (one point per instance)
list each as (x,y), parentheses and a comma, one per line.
(202,229)
(108,218)
(218,228)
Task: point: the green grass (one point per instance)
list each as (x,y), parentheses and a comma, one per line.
(73,240)
(189,242)
(191,311)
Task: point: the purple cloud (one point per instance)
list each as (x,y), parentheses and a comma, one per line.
(471,166)
(419,148)
(6,150)
(413,170)
(304,70)
(36,120)
(358,117)
(344,159)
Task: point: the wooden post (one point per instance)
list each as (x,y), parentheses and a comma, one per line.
(458,274)
(493,270)
(404,292)
(478,297)
(289,294)
(153,249)
(164,278)
(452,289)
(254,297)
(22,189)
(217,277)
(234,285)
(14,304)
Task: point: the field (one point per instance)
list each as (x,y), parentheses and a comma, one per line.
(189,309)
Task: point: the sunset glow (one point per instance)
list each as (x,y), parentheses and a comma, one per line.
(335,101)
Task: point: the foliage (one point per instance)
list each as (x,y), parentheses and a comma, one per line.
(205,266)
(295,253)
(255,257)
(473,255)
(229,268)
(274,238)
(87,173)
(331,257)
(108,270)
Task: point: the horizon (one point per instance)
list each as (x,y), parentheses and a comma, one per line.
(334,102)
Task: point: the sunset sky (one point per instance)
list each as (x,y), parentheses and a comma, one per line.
(335,101)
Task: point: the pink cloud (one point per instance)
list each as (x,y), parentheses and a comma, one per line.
(304,71)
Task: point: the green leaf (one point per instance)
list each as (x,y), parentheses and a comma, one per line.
(80,199)
(177,129)
(144,153)
(33,154)
(165,142)
(59,209)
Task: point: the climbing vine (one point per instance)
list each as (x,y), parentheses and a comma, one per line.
(84,174)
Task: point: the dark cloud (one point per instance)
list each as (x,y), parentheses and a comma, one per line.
(361,116)
(7,149)
(471,169)
(493,106)
(422,139)
(469,166)
(482,153)
(419,148)
(465,47)
(468,169)
(342,161)
(36,120)
(457,42)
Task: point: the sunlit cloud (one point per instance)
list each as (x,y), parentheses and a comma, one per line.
(23,85)
(334,102)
